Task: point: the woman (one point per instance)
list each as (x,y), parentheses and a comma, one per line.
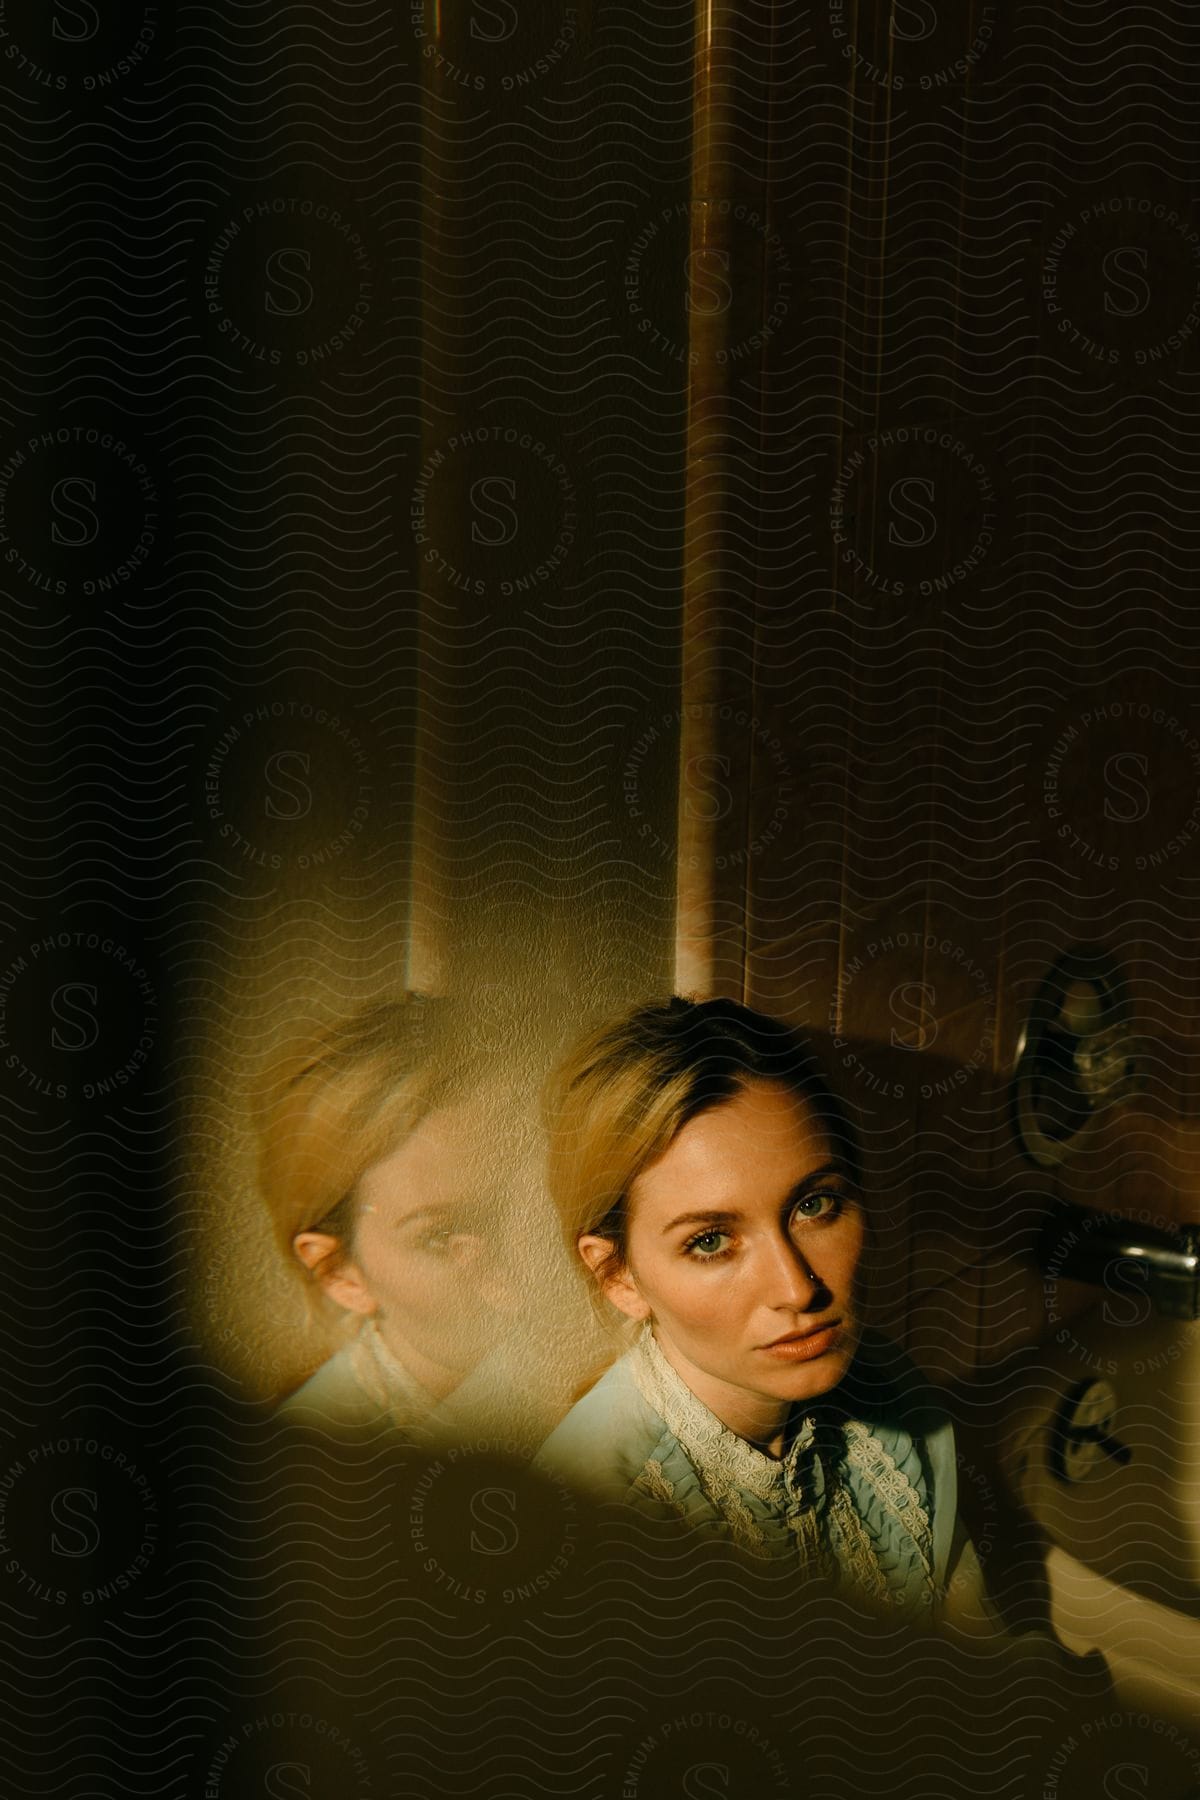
(400,1173)
(708,1179)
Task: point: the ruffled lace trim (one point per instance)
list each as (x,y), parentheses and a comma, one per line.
(852,1512)
(653,1481)
(896,1493)
(854,1549)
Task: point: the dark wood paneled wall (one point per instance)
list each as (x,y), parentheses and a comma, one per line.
(959,647)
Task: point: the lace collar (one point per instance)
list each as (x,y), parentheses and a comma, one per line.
(849,1497)
(722,1458)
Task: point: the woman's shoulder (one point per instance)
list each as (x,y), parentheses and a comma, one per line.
(607,1438)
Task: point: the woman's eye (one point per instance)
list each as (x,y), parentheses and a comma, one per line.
(707,1243)
(451,1243)
(440,1239)
(818,1206)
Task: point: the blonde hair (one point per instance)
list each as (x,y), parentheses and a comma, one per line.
(616,1102)
(330,1108)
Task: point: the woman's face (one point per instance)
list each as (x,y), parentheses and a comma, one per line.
(426,1249)
(743,1246)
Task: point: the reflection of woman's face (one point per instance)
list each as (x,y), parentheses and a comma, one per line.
(743,1245)
(426,1247)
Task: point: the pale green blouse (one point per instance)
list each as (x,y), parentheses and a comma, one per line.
(865,1493)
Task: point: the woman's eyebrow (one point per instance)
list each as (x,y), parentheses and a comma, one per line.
(814,1178)
(701,1218)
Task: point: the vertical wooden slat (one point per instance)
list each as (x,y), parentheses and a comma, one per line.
(717,643)
(430,896)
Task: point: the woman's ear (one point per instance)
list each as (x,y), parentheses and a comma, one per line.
(341,1279)
(614,1276)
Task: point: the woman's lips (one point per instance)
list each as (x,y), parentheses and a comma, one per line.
(800,1349)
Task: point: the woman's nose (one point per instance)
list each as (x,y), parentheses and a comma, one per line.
(791,1278)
